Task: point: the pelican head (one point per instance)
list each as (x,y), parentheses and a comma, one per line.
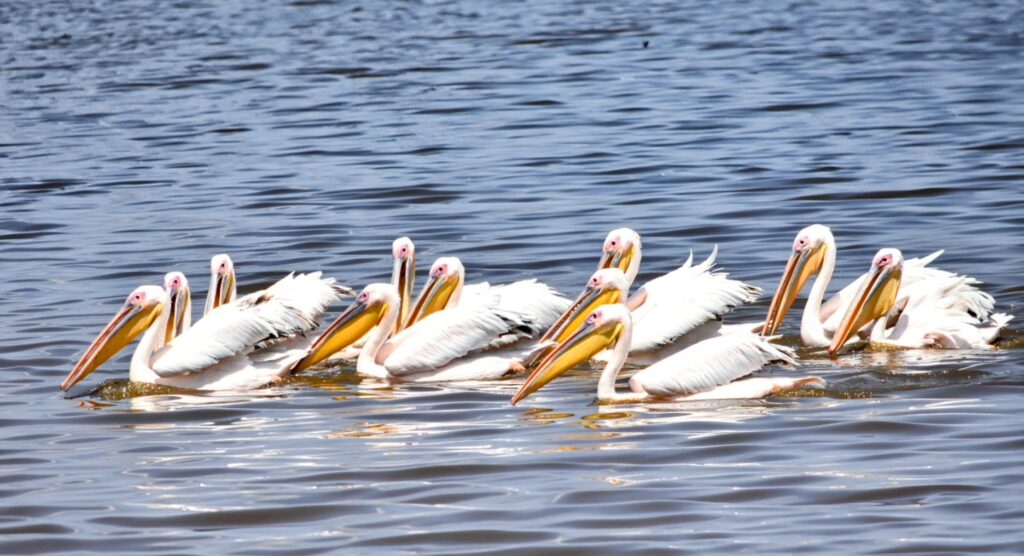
(443,289)
(222,282)
(371,306)
(605,326)
(622,251)
(138,313)
(402,274)
(180,306)
(809,250)
(874,299)
(606,286)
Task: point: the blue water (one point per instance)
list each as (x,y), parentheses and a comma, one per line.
(142,137)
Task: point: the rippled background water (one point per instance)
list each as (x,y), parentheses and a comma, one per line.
(139,137)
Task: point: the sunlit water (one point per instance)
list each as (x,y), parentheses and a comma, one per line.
(141,137)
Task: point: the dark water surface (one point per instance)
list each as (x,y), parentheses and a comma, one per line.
(140,137)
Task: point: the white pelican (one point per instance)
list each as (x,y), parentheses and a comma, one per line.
(814,253)
(403,274)
(922,319)
(433,349)
(705,370)
(244,344)
(180,307)
(538,304)
(673,310)
(222,282)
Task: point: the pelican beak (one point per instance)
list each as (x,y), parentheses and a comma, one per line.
(435,297)
(591,298)
(402,275)
(577,348)
(801,266)
(126,325)
(352,325)
(181,303)
(222,289)
(617,258)
(873,300)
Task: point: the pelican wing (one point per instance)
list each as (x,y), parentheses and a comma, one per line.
(680,301)
(537,302)
(447,335)
(708,364)
(294,303)
(289,307)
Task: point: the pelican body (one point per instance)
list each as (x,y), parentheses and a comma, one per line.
(669,313)
(446,345)
(703,371)
(240,345)
(814,254)
(537,303)
(920,319)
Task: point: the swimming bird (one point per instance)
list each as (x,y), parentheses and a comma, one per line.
(537,303)
(222,282)
(180,307)
(403,274)
(703,371)
(923,315)
(244,344)
(671,311)
(446,345)
(814,254)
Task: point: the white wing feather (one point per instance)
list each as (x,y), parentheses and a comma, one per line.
(447,335)
(289,307)
(684,299)
(709,364)
(537,302)
(482,367)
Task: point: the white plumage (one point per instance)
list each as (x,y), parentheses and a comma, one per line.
(289,307)
(705,370)
(443,346)
(537,302)
(445,336)
(669,307)
(941,313)
(676,303)
(921,284)
(240,345)
(814,252)
(709,364)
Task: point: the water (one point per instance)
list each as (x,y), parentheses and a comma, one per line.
(141,137)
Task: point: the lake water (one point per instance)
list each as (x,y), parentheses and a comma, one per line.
(140,137)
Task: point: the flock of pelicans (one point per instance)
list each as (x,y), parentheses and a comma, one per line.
(672,326)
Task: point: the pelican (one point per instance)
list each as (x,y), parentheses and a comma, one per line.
(703,371)
(674,310)
(814,253)
(180,307)
(443,346)
(222,282)
(537,303)
(403,273)
(922,319)
(245,344)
